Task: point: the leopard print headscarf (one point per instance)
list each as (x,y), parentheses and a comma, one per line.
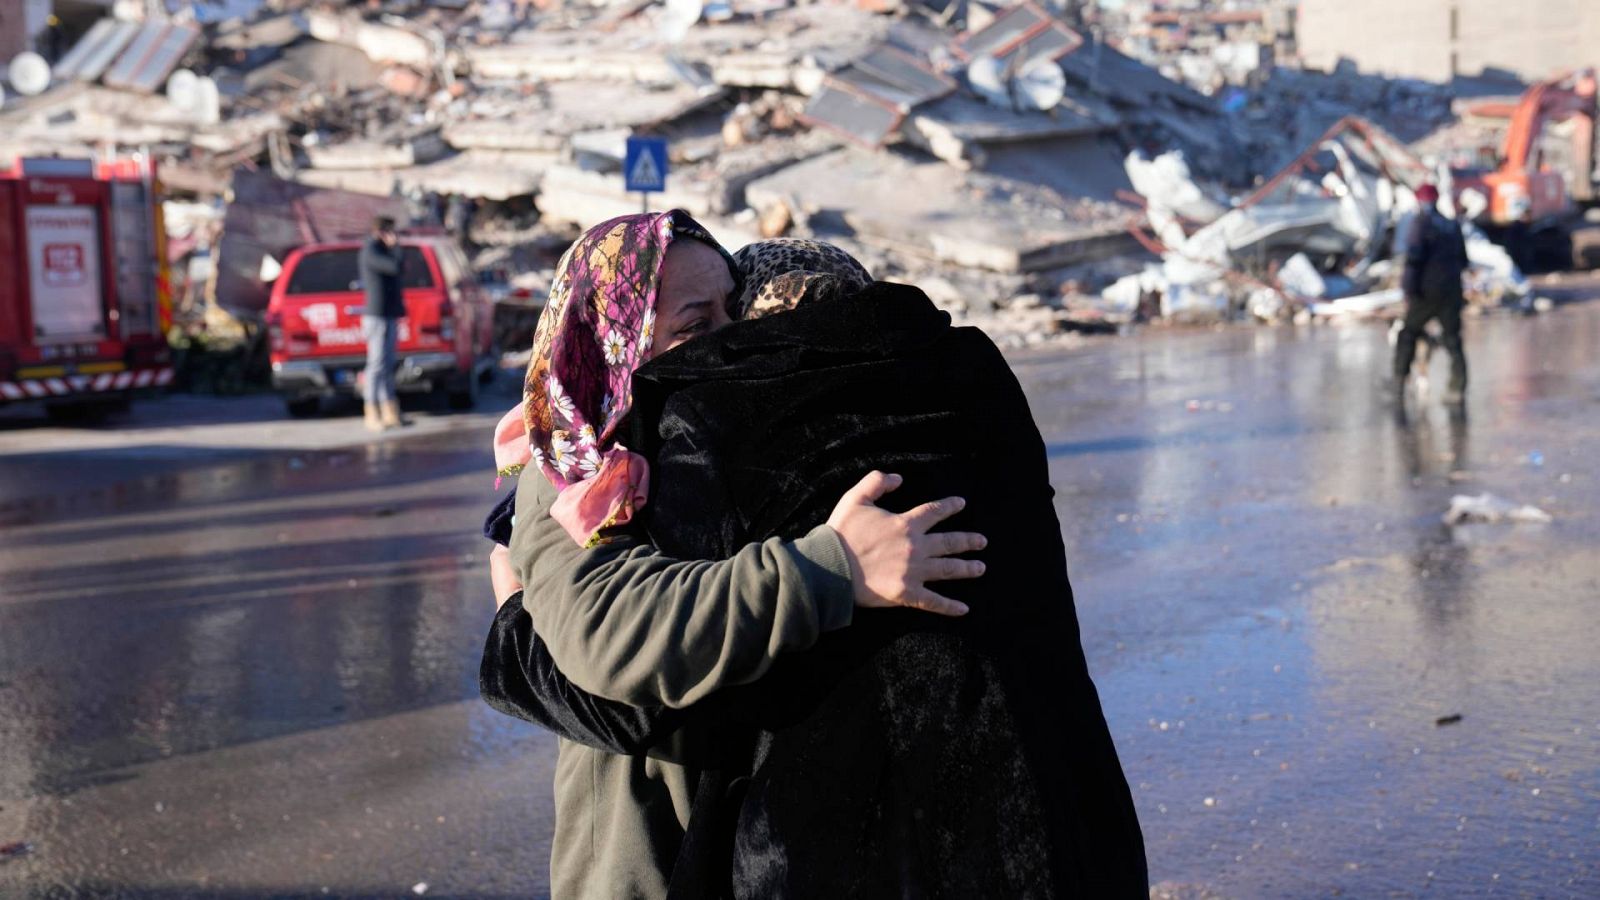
(781,274)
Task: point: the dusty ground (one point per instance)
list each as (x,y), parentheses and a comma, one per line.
(238,654)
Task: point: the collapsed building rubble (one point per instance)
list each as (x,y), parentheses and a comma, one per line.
(1014,158)
(1319,238)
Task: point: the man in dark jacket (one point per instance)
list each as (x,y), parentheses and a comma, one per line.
(380,264)
(1436,255)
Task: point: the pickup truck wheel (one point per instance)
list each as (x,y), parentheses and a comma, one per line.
(1586,247)
(302,407)
(464,392)
(83,412)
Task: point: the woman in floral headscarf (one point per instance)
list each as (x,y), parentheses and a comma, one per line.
(625,622)
(598,326)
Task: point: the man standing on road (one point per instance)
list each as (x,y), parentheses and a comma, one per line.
(1436,255)
(380,264)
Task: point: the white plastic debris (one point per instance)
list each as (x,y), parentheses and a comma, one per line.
(1489,508)
(1493,275)
(1195,303)
(1166,182)
(1302,279)
(1361,304)
(419,888)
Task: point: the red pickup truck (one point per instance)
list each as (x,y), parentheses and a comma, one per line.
(314,317)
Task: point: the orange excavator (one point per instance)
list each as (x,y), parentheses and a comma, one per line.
(1546,174)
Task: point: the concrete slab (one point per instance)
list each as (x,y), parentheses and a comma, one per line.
(575,194)
(487,174)
(381,43)
(927,209)
(549,118)
(90,115)
(583,197)
(416,149)
(276,31)
(333,68)
(958,128)
(789,50)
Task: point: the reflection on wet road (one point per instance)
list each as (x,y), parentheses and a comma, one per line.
(262,678)
(1277,617)
(252,675)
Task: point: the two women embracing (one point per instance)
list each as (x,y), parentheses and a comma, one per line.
(783,571)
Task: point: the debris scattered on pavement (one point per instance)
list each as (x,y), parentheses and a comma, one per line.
(1451,719)
(1487,508)
(15,850)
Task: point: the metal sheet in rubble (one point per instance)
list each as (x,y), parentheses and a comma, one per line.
(271,217)
(151,57)
(904,71)
(1004,33)
(1020,34)
(1053,41)
(865,83)
(853,113)
(88,58)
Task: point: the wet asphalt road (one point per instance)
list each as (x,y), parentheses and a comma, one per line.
(238,654)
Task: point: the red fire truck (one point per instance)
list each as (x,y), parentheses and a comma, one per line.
(84,297)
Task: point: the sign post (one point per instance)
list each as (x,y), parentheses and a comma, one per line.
(644,168)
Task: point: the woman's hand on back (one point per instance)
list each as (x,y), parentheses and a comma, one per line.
(893,556)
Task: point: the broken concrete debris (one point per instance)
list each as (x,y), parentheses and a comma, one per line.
(1318,238)
(1041,169)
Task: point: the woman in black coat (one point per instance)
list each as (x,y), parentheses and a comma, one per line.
(907,755)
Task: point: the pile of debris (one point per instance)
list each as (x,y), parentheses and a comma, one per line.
(1011,159)
(943,140)
(1320,238)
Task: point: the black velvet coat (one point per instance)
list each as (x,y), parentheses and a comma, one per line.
(908,755)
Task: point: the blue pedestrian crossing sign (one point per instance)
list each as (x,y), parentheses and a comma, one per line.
(644,166)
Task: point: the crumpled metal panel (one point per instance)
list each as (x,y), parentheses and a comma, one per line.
(856,114)
(151,57)
(270,217)
(910,75)
(864,82)
(89,58)
(1051,42)
(1007,30)
(1023,33)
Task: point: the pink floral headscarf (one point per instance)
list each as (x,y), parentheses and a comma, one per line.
(596,329)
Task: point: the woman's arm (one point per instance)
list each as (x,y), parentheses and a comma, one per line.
(626,623)
(518,677)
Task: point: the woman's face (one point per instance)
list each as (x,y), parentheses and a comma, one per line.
(693,297)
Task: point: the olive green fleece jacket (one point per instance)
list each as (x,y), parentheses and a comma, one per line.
(624,622)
